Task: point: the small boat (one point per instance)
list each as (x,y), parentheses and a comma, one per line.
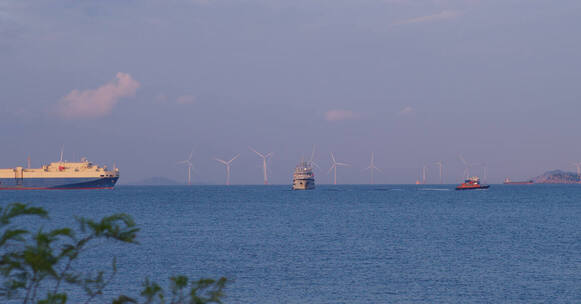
(472,183)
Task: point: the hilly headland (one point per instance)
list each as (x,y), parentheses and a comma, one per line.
(557,177)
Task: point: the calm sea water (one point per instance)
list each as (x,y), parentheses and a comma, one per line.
(342,244)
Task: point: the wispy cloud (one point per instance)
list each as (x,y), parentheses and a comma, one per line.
(100,101)
(160,98)
(443,15)
(339,114)
(186,99)
(406,111)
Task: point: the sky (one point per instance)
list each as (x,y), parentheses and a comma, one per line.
(140,83)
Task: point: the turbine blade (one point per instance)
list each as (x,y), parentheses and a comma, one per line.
(221,161)
(233,158)
(333,158)
(259,154)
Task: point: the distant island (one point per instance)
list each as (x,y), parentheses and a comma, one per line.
(557,177)
(156,181)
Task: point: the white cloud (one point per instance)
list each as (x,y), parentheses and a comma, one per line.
(339,114)
(100,101)
(406,111)
(160,98)
(186,99)
(443,15)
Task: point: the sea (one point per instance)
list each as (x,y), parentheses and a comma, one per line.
(336,244)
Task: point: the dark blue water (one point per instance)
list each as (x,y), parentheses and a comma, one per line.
(343,244)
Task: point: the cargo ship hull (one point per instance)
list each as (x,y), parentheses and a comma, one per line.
(73,183)
(519,183)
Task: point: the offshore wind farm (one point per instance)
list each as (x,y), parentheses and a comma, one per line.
(424,176)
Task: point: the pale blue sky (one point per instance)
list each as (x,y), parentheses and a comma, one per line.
(414,81)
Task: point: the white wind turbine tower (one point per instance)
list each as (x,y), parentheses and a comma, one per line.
(227,164)
(264,158)
(372,167)
(334,167)
(188,162)
(440,164)
(485,172)
(578,165)
(424,173)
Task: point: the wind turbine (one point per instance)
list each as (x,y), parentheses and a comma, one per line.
(424,171)
(227,164)
(334,167)
(466,167)
(372,167)
(264,158)
(418,182)
(188,162)
(485,172)
(441,165)
(578,165)
(312,160)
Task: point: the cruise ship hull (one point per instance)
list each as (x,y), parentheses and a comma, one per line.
(303,184)
(73,183)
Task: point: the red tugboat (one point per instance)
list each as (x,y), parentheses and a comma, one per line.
(472,183)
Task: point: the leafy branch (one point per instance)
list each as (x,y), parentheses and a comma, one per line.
(38,268)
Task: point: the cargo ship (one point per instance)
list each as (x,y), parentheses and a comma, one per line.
(472,183)
(59,175)
(507,181)
(303,177)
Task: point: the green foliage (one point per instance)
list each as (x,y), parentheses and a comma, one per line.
(38,267)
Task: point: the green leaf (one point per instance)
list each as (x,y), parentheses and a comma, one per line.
(12,235)
(151,290)
(59,298)
(122,299)
(18,209)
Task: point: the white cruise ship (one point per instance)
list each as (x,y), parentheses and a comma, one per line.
(303,177)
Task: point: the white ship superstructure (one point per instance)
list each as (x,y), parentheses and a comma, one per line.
(303,177)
